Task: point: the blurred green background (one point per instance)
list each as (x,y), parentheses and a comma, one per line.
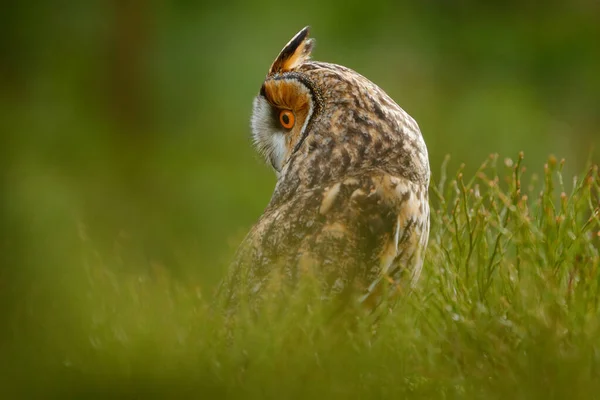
(125,124)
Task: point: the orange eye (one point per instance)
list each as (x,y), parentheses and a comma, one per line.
(287,119)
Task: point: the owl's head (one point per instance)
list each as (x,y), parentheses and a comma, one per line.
(286,103)
(307,108)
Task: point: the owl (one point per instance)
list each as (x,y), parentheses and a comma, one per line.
(350,205)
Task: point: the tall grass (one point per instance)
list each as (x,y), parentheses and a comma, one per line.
(507,307)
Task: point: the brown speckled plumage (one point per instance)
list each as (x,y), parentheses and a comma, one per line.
(351,201)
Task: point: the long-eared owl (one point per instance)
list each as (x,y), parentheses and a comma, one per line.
(351,200)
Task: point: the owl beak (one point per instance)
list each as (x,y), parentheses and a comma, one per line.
(275,167)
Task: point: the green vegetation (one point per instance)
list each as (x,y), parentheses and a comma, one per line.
(507,307)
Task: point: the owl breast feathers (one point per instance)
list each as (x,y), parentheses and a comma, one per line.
(351,202)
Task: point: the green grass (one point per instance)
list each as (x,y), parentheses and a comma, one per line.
(507,307)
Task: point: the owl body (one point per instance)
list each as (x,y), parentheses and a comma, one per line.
(351,203)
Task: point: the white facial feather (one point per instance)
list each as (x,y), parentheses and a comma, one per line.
(269,141)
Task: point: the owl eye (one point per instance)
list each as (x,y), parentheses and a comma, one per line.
(287,119)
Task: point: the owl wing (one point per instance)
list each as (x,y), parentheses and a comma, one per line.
(352,234)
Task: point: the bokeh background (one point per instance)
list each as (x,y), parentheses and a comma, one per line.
(125,123)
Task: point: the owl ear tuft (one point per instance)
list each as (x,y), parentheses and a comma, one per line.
(294,53)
